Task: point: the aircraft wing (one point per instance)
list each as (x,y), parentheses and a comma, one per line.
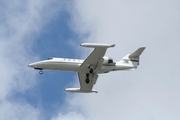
(83,85)
(95,61)
(95,58)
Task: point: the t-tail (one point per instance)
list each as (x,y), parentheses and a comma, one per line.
(134,57)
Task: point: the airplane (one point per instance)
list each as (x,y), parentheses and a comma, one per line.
(90,68)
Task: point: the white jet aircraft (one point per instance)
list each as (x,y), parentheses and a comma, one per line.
(88,70)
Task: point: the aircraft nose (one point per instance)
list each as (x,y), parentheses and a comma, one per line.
(36,65)
(30,65)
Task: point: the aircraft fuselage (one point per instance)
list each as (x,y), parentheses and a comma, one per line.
(66,64)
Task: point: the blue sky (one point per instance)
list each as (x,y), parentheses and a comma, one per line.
(54,41)
(53,38)
(35,30)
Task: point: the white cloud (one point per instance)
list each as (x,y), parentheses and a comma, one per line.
(69,116)
(20,23)
(17,111)
(151,92)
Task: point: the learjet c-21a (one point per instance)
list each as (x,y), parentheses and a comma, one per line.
(88,69)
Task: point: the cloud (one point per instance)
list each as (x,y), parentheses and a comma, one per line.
(20,23)
(16,111)
(150,92)
(68,116)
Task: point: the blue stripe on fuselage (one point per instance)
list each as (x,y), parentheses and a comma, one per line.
(134,60)
(131,60)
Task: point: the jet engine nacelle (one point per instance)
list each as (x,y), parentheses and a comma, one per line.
(107,60)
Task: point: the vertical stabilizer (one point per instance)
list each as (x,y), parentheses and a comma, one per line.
(137,53)
(133,57)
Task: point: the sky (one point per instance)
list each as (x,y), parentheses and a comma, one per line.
(35,30)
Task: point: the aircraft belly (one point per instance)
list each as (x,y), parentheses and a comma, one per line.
(49,66)
(72,67)
(123,67)
(106,69)
(61,66)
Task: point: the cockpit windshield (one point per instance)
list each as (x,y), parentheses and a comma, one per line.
(49,58)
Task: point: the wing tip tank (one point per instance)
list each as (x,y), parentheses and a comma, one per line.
(78,90)
(93,45)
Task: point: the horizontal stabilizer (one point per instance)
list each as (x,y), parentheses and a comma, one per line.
(78,90)
(94,45)
(137,53)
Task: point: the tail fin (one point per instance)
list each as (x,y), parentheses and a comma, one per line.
(134,57)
